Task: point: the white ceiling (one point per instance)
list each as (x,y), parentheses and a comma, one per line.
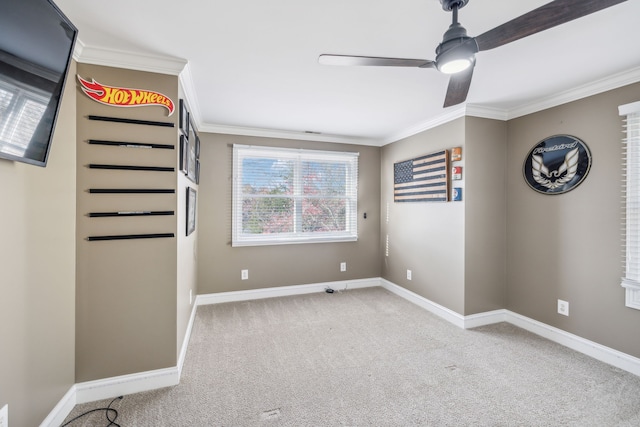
(251,65)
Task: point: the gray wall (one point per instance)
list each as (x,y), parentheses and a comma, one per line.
(485,215)
(506,246)
(37,287)
(187,257)
(569,246)
(425,237)
(219,264)
(128,291)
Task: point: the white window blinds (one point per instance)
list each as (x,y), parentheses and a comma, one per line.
(21,110)
(283,195)
(631,198)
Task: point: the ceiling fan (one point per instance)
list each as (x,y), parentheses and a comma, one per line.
(455,55)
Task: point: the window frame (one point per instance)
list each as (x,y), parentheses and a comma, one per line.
(241,152)
(631,203)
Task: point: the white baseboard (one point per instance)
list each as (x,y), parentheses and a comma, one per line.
(432,307)
(107,388)
(185,341)
(126,384)
(486,318)
(597,351)
(283,291)
(61,410)
(144,381)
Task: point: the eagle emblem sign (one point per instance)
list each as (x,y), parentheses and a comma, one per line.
(557,164)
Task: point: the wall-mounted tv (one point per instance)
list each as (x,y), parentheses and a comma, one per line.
(36,45)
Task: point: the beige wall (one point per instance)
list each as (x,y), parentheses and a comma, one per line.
(569,246)
(508,247)
(281,265)
(37,284)
(126,289)
(484,176)
(426,238)
(187,258)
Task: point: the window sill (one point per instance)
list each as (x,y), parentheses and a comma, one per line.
(272,242)
(632,293)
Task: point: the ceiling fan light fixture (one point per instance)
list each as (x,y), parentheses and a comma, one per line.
(455,66)
(457,50)
(456,57)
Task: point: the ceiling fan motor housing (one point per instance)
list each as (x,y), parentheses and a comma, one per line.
(456,44)
(448,5)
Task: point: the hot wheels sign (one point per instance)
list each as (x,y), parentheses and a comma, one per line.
(124,97)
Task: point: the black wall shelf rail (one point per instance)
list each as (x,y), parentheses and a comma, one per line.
(132,191)
(129,213)
(131,121)
(131,236)
(128,144)
(132,168)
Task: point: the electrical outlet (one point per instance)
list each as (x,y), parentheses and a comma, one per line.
(408,274)
(4,416)
(563,307)
(343,266)
(244,274)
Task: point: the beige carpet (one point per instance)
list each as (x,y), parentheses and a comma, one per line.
(369,358)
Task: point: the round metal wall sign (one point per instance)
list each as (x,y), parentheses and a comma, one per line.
(557,164)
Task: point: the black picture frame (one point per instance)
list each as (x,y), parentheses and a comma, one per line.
(193,152)
(193,135)
(192,196)
(197,171)
(184,154)
(191,162)
(197,147)
(184,118)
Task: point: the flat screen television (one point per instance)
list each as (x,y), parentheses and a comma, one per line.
(36,46)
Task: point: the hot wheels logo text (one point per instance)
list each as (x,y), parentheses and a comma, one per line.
(124,97)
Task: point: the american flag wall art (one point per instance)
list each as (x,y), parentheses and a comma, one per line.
(423,179)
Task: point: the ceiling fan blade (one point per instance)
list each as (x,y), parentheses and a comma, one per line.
(458,87)
(548,16)
(374,61)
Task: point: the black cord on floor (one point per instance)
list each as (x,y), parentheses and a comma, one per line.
(108,411)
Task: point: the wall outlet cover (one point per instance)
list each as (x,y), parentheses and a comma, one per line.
(563,307)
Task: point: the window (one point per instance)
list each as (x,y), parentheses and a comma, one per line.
(21,110)
(285,196)
(631,195)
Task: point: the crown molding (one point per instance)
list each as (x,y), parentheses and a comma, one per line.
(180,67)
(487,112)
(433,122)
(185,80)
(599,86)
(285,134)
(614,81)
(77,50)
(122,59)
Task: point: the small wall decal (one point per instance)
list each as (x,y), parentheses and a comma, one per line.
(124,97)
(457,195)
(456,154)
(456,173)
